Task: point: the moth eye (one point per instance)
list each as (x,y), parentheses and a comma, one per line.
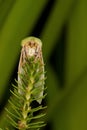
(31,51)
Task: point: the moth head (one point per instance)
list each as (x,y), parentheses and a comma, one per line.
(31,45)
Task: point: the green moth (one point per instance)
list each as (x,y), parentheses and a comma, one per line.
(32,48)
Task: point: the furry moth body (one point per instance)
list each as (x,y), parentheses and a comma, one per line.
(31,47)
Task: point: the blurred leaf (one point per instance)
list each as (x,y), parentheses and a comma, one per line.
(76,43)
(71,112)
(5,8)
(53,87)
(52,30)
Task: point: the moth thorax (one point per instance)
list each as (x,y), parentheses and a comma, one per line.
(31,48)
(31,51)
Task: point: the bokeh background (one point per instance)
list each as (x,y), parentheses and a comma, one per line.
(62,27)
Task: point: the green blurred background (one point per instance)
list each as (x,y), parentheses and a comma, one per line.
(62,27)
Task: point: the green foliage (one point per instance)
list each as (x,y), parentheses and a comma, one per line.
(22,115)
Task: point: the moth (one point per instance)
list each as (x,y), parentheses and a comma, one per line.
(31,47)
